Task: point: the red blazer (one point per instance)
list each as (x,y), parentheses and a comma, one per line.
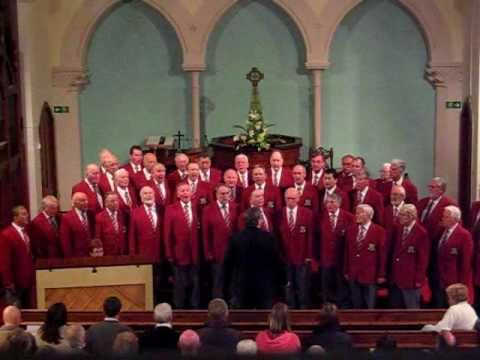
(309,198)
(44,237)
(104,185)
(454,257)
(133,198)
(410,191)
(332,242)
(273,199)
(297,245)
(249,180)
(286,180)
(129,168)
(74,238)
(410,258)
(139,180)
(181,241)
(143,239)
(268,214)
(238,195)
(215,178)
(345,201)
(16,262)
(320,181)
(159,201)
(432,222)
(367,263)
(93,204)
(372,198)
(345,182)
(114,242)
(173,179)
(215,232)
(203,195)
(389,220)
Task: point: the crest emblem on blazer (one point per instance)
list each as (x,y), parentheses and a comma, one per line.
(308,202)
(411,250)
(371,247)
(453,251)
(302,229)
(270,204)
(203,201)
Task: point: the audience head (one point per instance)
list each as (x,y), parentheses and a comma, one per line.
(147,196)
(333,202)
(50,205)
(292,197)
(407,214)
(162,314)
(397,195)
(252,217)
(125,344)
(149,160)
(193,171)
(316,352)
(257,198)
(279,321)
(437,187)
(12,316)
(189,343)
(363,214)
(96,248)
(135,154)
(19,345)
(347,161)
(451,216)
(75,336)
(92,173)
(276,160)
(80,201)
(384,171)
(397,167)
(457,293)
(386,342)
(330,178)
(112,201)
(299,174)
(317,161)
(181,161)
(328,316)
(55,319)
(247,348)
(223,193)
(20,215)
(258,174)
(121,178)
(184,193)
(218,310)
(204,162)
(230,177)
(112,306)
(241,163)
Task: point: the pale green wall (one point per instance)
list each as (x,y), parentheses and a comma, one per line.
(256,33)
(137,86)
(376,101)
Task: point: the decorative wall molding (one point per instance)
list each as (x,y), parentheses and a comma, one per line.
(74,79)
(445,75)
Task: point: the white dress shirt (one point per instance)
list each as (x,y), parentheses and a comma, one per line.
(460,316)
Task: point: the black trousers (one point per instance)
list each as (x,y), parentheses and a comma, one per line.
(363,295)
(298,291)
(186,281)
(335,287)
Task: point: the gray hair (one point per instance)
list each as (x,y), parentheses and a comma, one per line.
(335,197)
(162,313)
(119,172)
(454,211)
(440,181)
(400,163)
(367,208)
(49,199)
(75,336)
(409,209)
(247,347)
(399,187)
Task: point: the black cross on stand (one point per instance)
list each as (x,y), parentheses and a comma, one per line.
(179,137)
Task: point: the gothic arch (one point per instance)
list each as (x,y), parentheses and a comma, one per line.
(429,18)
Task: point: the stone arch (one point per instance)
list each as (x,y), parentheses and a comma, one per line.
(426,13)
(74,48)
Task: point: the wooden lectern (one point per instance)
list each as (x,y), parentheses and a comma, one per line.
(84,283)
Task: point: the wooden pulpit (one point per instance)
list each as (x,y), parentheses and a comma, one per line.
(84,283)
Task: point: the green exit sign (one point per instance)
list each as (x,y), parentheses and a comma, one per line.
(454,104)
(61,109)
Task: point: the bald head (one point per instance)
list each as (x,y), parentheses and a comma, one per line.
(292,196)
(12,316)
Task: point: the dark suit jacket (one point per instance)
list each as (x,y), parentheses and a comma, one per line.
(217,337)
(331,338)
(44,237)
(74,238)
(100,337)
(158,339)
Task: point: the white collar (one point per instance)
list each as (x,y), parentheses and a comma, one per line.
(364,191)
(262,186)
(80,213)
(110,319)
(167,325)
(294,211)
(220,205)
(18,228)
(366,226)
(148,207)
(332,190)
(336,213)
(399,205)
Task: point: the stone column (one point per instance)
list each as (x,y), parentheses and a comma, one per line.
(196,136)
(317,70)
(67,85)
(447,80)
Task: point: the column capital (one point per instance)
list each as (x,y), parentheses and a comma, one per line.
(320,65)
(73,79)
(444,74)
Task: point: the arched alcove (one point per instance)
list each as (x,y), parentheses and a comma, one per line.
(376,101)
(137,86)
(256,33)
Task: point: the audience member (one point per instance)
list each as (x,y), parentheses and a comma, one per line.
(279,338)
(75,338)
(162,336)
(189,343)
(125,345)
(217,336)
(21,345)
(52,332)
(12,319)
(247,348)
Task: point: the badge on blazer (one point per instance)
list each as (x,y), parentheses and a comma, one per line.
(203,201)
(302,229)
(453,251)
(371,247)
(270,204)
(308,202)
(411,250)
